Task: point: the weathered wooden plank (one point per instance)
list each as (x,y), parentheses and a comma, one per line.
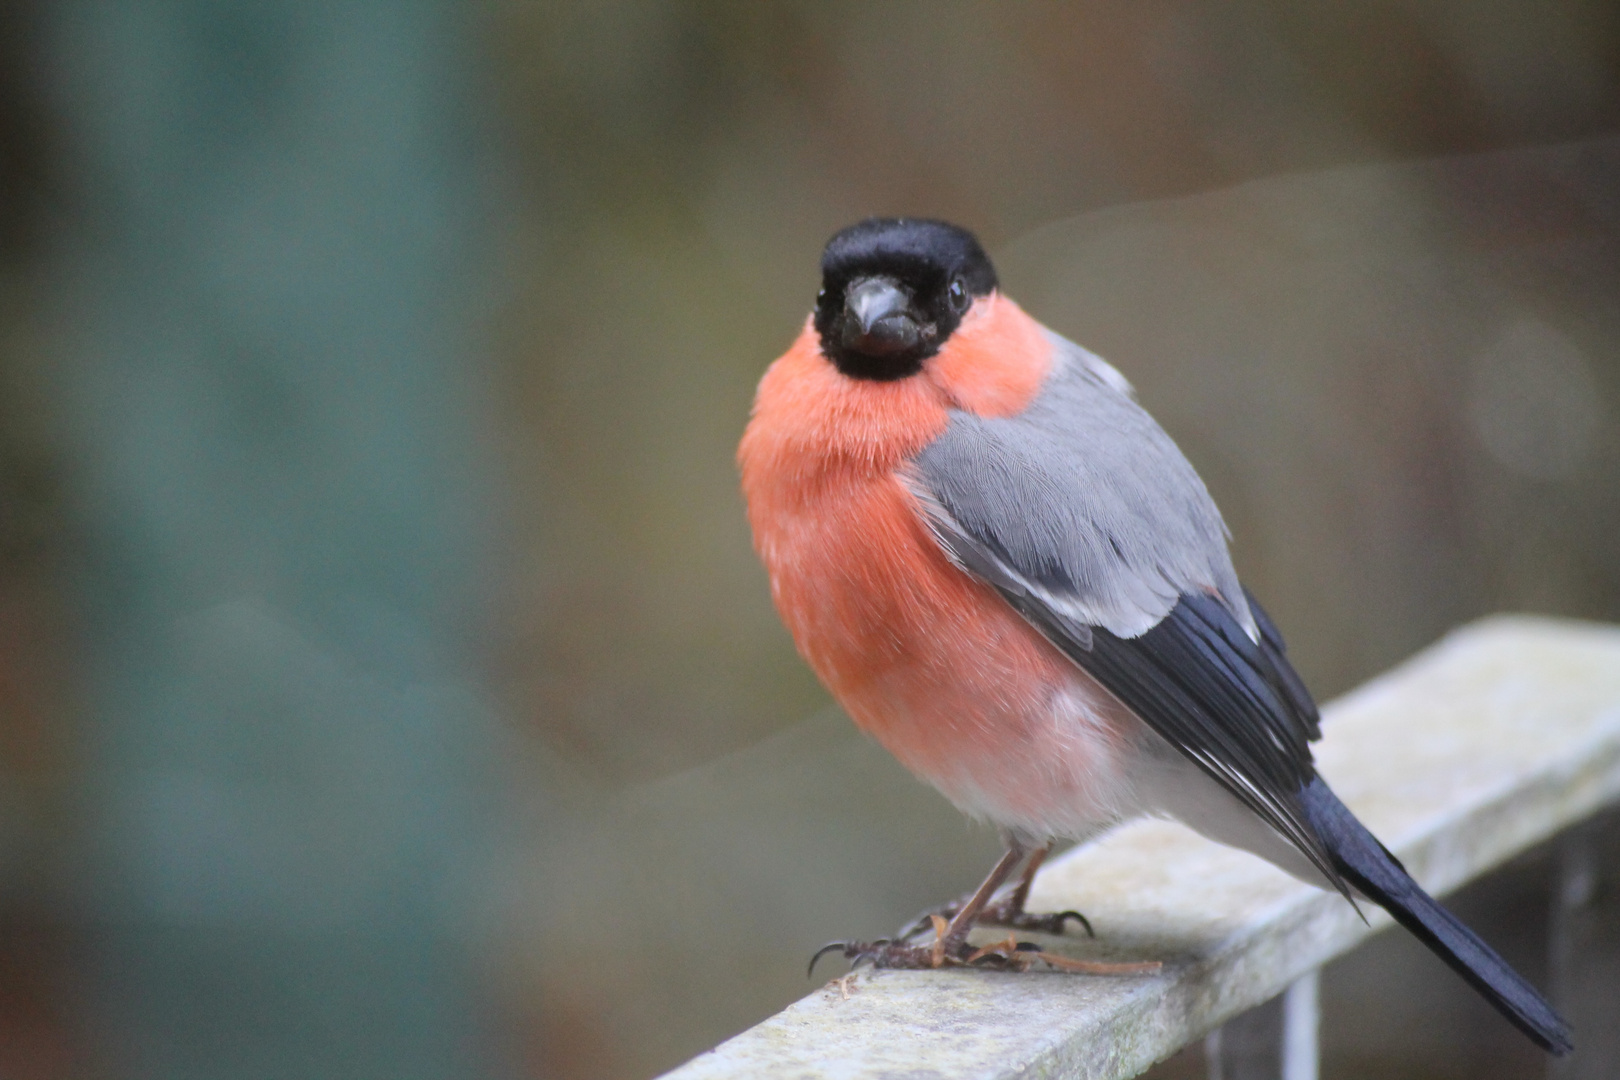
(1496,738)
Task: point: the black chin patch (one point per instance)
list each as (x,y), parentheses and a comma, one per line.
(876,368)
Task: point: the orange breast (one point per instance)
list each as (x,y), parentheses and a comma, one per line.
(925,658)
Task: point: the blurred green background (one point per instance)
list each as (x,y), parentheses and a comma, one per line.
(387,685)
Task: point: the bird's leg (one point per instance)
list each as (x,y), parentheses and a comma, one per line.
(1007,910)
(950,947)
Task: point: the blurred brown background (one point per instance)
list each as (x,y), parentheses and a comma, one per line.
(1361,259)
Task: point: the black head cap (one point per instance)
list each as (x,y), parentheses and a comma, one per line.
(893,290)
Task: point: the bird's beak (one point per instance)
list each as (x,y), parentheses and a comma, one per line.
(879,319)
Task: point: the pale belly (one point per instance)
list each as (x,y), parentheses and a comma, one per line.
(1062,766)
(1053,763)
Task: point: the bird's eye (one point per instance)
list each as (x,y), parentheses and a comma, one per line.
(957,294)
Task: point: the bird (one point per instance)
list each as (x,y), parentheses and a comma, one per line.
(1006,572)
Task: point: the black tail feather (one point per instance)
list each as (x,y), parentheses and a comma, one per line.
(1369,866)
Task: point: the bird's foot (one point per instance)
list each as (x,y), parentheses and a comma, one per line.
(946,950)
(884,953)
(1005,911)
(1008,955)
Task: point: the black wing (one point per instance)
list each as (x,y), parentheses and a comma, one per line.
(1234,706)
(1093,526)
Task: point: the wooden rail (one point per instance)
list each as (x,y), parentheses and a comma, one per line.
(1502,735)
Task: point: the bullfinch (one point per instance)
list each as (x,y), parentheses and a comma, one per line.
(1006,572)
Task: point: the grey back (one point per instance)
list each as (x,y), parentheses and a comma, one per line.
(1081,501)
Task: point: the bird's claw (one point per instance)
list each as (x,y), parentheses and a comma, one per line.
(852,950)
(1046,924)
(1002,913)
(1008,955)
(1014,955)
(886,953)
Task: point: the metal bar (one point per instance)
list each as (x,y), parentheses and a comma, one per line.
(1584,947)
(1301,1022)
(1248,1047)
(1274,1041)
